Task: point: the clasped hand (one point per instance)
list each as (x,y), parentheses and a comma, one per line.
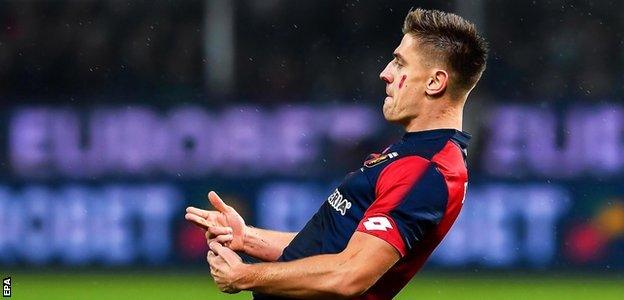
(225,233)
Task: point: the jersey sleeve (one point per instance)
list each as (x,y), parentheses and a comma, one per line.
(410,200)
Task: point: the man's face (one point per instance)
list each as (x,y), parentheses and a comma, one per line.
(405,77)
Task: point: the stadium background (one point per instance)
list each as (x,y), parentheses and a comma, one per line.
(118,114)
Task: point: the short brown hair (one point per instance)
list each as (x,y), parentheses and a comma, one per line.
(453,39)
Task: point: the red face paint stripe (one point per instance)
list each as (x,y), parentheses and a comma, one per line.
(402,81)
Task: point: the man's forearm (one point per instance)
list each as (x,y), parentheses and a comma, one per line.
(266,245)
(347,274)
(321,276)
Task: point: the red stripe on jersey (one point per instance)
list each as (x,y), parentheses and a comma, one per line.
(394,182)
(450,162)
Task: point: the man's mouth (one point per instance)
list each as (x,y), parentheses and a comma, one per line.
(388,95)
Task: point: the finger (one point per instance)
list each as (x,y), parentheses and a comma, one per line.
(209,236)
(216,201)
(224,243)
(198,211)
(197,221)
(209,215)
(215,247)
(210,256)
(221,239)
(218,230)
(226,254)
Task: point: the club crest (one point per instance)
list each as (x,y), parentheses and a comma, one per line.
(379,159)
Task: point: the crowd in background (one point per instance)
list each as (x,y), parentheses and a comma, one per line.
(298,50)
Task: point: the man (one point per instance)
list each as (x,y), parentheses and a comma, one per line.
(377,229)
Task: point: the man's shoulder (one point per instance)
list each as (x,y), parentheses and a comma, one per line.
(448,150)
(392,163)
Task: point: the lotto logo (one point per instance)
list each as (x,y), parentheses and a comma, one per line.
(377,223)
(6,287)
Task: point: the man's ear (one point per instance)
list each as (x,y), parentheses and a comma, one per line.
(437,83)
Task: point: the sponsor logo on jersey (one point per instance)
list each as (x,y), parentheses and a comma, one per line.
(379,159)
(377,223)
(338,202)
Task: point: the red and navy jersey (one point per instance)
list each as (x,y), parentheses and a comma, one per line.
(408,196)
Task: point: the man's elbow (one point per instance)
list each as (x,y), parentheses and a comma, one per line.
(348,291)
(352,284)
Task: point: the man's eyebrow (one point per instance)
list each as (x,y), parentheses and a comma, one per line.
(398,56)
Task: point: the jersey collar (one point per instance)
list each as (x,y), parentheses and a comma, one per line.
(462,138)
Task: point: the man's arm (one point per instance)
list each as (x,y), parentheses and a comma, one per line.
(266,245)
(343,275)
(228,228)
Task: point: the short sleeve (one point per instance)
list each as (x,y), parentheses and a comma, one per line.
(410,199)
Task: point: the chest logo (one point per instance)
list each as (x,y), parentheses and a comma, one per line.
(338,202)
(379,159)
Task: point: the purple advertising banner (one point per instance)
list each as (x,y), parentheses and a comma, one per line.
(46,142)
(108,185)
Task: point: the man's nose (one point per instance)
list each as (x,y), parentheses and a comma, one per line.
(386,76)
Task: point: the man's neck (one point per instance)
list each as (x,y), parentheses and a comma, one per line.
(447,118)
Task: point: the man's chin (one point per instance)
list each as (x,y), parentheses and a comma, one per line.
(390,118)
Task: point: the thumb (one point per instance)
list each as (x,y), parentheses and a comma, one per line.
(216,201)
(226,253)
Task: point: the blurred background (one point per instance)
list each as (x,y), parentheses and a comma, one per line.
(116,115)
